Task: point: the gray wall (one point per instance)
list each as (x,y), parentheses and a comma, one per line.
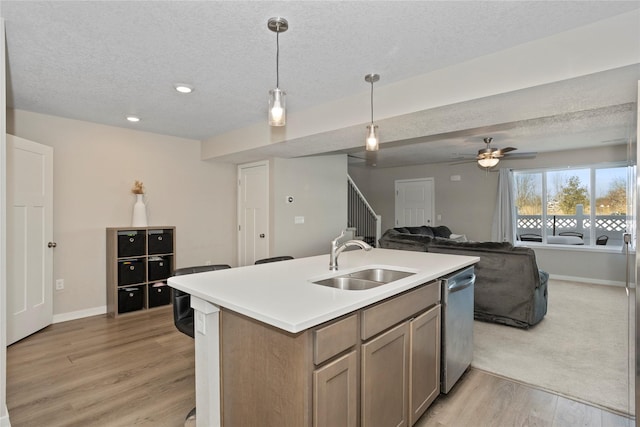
(467,206)
(318,186)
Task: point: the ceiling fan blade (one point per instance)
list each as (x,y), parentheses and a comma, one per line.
(514,156)
(507,149)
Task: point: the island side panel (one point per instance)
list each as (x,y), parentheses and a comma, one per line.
(266,374)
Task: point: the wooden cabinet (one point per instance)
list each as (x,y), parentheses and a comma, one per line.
(335,393)
(139,261)
(401,367)
(424,362)
(385,378)
(378,366)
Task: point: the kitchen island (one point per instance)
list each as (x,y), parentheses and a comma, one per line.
(250,319)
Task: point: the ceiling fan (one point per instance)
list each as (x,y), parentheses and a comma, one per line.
(489,157)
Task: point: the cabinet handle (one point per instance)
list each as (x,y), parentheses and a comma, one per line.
(159,237)
(131,239)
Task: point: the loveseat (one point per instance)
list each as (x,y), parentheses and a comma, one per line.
(509,288)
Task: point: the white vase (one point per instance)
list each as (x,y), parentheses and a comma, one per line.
(139,213)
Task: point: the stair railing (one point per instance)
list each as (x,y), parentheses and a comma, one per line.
(361,216)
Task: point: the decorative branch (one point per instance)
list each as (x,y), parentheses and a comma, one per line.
(138,187)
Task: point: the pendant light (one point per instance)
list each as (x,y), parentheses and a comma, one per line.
(372,141)
(277,105)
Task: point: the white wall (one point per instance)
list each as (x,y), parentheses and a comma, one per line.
(94,169)
(318,186)
(467,206)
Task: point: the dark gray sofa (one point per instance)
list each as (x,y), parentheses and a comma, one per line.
(509,289)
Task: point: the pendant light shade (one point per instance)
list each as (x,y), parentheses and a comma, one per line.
(277,108)
(277,103)
(373,140)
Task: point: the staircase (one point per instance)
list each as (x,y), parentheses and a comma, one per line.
(361,217)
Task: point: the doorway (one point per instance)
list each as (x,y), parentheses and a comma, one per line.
(253,212)
(29,237)
(414,202)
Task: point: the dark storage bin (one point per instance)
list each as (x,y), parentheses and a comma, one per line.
(160,241)
(130,298)
(131,271)
(159,268)
(131,243)
(159,294)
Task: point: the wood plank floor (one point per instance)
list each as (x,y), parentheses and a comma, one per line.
(139,370)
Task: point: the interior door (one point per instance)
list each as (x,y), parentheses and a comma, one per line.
(29,237)
(253,212)
(414,202)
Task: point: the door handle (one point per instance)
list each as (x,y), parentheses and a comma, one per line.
(52,244)
(262,235)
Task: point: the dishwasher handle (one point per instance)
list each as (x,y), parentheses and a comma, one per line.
(455,285)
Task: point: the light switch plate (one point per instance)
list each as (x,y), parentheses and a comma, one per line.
(298,220)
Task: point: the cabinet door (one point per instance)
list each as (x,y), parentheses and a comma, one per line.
(385,376)
(424,376)
(335,393)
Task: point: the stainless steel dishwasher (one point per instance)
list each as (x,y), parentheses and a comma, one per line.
(457,326)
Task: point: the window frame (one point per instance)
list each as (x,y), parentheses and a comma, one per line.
(593,167)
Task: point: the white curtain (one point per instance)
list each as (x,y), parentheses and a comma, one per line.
(504,218)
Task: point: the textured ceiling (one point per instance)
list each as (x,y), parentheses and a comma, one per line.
(101,60)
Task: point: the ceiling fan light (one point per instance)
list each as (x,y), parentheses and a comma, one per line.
(488,162)
(373,141)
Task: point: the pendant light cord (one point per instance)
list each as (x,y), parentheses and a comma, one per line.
(278,57)
(372,102)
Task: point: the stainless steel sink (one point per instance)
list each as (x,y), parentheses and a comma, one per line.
(380,275)
(364,279)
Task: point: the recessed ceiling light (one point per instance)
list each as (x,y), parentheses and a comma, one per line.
(133,119)
(183,88)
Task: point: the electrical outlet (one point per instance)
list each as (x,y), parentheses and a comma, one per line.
(59,284)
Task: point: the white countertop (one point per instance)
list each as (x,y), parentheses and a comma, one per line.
(282,294)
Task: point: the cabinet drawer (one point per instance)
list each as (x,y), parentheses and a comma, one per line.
(160,241)
(131,271)
(131,243)
(392,311)
(336,337)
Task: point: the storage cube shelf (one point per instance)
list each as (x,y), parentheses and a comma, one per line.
(139,262)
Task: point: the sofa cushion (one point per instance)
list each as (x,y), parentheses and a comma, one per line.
(422,230)
(441,231)
(480,246)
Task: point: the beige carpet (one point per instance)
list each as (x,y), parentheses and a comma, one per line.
(580,349)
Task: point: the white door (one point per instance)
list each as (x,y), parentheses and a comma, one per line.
(253,212)
(414,202)
(29,237)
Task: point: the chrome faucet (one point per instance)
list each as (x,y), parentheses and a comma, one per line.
(337,249)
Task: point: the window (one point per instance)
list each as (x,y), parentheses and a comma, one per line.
(576,206)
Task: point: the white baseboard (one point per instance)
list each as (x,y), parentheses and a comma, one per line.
(586,280)
(4,420)
(73,315)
